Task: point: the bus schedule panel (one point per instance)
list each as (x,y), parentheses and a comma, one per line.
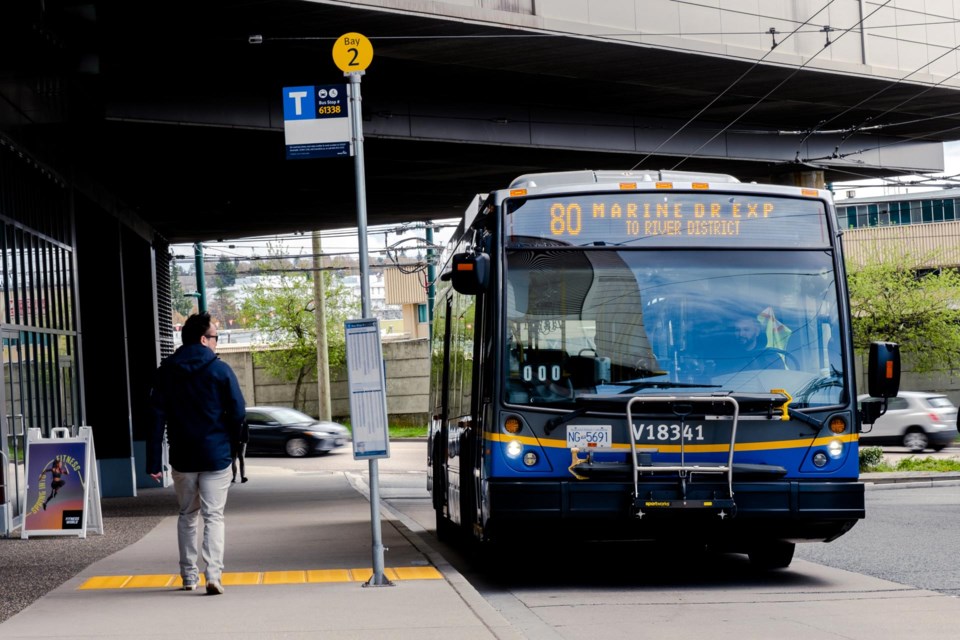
(668,219)
(368,389)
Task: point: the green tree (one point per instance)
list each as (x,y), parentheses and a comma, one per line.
(181,304)
(226,271)
(896,298)
(226,308)
(281,309)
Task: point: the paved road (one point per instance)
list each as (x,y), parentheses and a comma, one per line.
(909,536)
(575,593)
(629,590)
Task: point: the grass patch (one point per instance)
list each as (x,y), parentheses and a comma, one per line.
(407,432)
(396,430)
(871,461)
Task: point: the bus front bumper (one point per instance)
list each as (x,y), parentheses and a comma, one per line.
(784,509)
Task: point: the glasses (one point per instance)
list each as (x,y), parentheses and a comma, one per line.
(213,337)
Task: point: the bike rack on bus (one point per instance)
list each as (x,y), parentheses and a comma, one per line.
(682,469)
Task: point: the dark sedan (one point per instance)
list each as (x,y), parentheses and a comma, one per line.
(284,430)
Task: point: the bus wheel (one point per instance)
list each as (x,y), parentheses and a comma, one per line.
(775,554)
(446,530)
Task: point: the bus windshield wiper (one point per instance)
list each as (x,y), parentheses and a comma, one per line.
(562,420)
(664,384)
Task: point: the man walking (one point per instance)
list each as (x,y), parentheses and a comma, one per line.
(197,400)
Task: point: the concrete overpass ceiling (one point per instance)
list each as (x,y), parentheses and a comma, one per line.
(182,116)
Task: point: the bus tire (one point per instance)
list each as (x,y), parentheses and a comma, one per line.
(774,554)
(446,530)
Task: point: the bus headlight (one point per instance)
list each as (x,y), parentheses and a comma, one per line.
(835,448)
(514,448)
(529,458)
(819,459)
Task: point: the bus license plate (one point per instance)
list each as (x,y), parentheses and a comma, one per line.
(584,437)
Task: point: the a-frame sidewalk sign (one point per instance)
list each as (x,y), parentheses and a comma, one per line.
(62,491)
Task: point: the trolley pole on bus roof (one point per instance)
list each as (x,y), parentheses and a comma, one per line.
(352,53)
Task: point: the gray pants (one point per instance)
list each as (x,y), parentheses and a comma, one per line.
(201,494)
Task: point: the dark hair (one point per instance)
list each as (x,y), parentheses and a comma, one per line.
(195,327)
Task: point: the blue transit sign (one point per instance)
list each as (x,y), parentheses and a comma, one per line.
(316,122)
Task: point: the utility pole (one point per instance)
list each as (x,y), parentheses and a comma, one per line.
(320,313)
(431,274)
(201,285)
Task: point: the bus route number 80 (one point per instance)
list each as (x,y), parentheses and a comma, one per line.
(565,220)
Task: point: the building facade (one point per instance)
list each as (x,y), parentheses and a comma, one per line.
(925,226)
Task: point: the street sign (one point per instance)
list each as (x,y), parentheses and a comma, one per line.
(352,52)
(316,122)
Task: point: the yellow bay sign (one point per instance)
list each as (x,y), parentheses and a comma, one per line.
(352,52)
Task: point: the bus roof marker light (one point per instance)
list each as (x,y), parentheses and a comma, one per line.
(809,192)
(627,186)
(664,185)
(700,185)
(517,192)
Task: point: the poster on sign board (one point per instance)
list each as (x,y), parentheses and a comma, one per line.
(61,486)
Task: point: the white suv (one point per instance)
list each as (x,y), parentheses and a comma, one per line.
(916,420)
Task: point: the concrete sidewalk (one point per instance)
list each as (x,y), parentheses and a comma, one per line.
(298,553)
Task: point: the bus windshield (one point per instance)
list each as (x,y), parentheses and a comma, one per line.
(610,321)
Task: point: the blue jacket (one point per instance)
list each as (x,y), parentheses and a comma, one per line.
(197,399)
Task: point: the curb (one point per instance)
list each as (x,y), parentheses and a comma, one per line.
(492,619)
(909,479)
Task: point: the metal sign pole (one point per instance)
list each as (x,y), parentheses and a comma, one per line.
(353,53)
(377,579)
(357,128)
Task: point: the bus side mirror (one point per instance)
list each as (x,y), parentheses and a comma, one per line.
(883,370)
(469,272)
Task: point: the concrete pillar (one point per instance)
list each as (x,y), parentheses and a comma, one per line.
(812,179)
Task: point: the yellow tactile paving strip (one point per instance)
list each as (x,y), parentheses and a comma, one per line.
(250,578)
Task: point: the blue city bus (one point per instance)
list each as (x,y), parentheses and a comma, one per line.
(648,356)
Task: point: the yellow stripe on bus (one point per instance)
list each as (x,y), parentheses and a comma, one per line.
(688,448)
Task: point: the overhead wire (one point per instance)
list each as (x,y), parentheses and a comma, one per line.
(755,64)
(779,84)
(799,29)
(828,29)
(880,146)
(863,127)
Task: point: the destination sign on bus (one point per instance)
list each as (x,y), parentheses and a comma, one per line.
(673,219)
